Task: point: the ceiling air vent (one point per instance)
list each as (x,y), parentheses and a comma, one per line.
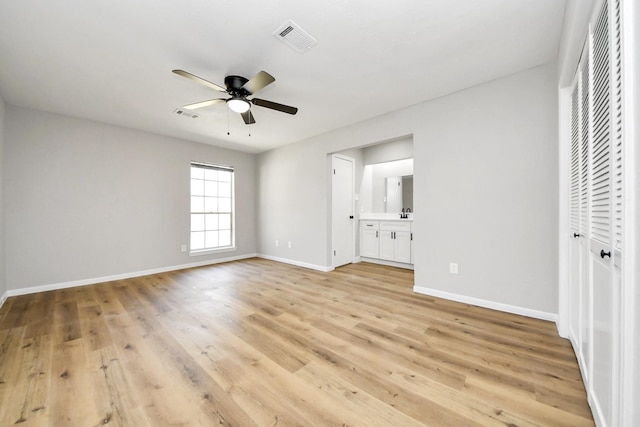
(186,113)
(294,36)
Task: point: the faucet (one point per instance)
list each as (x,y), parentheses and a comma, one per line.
(403,215)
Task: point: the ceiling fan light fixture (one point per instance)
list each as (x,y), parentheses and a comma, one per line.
(238,105)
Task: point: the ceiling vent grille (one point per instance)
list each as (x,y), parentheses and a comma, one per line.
(186,113)
(294,36)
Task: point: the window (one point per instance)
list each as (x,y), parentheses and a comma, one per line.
(212,216)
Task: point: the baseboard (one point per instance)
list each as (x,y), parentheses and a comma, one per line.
(536,314)
(93,281)
(296,263)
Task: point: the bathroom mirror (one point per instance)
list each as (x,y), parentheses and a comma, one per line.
(399,194)
(388,187)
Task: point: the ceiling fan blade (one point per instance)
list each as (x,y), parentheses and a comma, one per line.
(204,104)
(274,106)
(248,117)
(258,82)
(200,80)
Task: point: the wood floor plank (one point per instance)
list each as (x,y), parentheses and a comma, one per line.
(257,342)
(114,394)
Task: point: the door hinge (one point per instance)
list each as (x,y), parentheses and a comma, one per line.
(334,171)
(334,253)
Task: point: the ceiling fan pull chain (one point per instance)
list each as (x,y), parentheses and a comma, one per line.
(228,133)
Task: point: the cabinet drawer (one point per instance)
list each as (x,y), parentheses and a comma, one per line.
(369,225)
(395,226)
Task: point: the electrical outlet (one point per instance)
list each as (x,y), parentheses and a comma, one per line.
(183,248)
(277,243)
(289,245)
(453,268)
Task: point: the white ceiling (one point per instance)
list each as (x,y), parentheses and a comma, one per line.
(111,60)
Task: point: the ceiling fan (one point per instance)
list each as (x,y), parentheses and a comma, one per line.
(240,89)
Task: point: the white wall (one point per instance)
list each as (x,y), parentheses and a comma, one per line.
(485,177)
(292,203)
(3,285)
(87,200)
(490,192)
(388,151)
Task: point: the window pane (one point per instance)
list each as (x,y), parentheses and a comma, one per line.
(224,205)
(197,240)
(225,238)
(211,220)
(224,222)
(197,187)
(224,176)
(197,172)
(211,239)
(224,189)
(197,204)
(210,204)
(211,208)
(197,222)
(211,188)
(211,174)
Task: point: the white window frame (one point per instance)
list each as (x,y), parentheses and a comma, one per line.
(213,210)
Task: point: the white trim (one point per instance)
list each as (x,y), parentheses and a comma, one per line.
(536,314)
(630,274)
(3,298)
(94,280)
(296,263)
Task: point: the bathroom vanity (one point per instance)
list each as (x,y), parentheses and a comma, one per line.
(386,239)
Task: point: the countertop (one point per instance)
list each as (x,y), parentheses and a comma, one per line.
(384,217)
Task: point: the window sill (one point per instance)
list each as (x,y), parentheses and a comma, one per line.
(212,251)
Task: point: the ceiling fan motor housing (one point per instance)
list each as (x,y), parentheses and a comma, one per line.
(234,85)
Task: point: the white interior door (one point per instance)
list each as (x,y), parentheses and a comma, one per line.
(574,224)
(342,217)
(599,285)
(605,342)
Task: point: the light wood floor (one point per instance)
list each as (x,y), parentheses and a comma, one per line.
(257,342)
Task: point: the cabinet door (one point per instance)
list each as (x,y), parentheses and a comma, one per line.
(386,245)
(402,246)
(369,243)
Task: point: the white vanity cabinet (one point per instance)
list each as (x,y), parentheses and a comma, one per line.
(369,239)
(386,240)
(395,241)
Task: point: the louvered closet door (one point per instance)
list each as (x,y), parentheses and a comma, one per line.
(584,354)
(596,213)
(605,291)
(575,255)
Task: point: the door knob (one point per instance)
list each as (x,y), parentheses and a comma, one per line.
(576,235)
(350,216)
(604,254)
